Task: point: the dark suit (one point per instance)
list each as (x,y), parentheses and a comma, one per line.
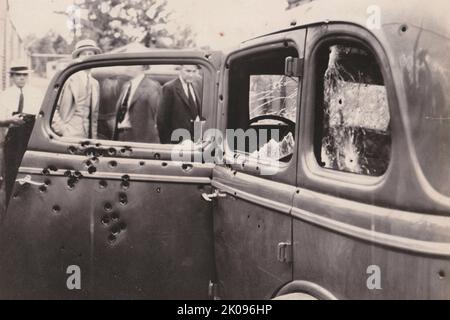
(175,111)
(142,112)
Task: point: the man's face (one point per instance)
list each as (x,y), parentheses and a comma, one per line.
(20,79)
(86,53)
(188,73)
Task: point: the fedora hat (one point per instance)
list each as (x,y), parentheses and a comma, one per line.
(83,45)
(19,67)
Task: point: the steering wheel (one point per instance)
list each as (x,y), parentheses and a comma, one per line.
(289,123)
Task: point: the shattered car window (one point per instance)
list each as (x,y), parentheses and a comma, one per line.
(273,95)
(356,135)
(273,102)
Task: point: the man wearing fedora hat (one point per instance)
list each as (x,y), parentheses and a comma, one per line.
(77,111)
(19,105)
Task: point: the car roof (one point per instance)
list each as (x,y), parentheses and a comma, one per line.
(429,15)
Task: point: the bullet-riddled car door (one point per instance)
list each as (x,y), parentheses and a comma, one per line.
(255,187)
(111,219)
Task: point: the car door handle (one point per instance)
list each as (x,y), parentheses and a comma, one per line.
(217,194)
(27,179)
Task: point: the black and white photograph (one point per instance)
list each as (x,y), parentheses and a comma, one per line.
(208,150)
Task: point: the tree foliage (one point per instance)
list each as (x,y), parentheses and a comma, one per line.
(114,23)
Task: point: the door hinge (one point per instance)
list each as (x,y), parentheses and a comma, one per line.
(285,252)
(293,67)
(213,291)
(215,194)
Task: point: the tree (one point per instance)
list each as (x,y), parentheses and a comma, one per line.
(115,23)
(50,43)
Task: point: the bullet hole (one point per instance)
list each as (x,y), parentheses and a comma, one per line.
(107,207)
(112,238)
(42,189)
(259,226)
(164,164)
(115,216)
(187,167)
(340,101)
(16,195)
(112,151)
(71,182)
(41,114)
(103,184)
(248,216)
(125,185)
(157,156)
(123,226)
(85,143)
(221,97)
(285,43)
(441,274)
(88,163)
(293,23)
(158,190)
(98,145)
(123,199)
(113,164)
(125,177)
(46,172)
(115,230)
(51,136)
(403,28)
(95,160)
(298,191)
(227,66)
(52,168)
(67,173)
(234,173)
(56,209)
(141,163)
(72,150)
(77,174)
(47,182)
(105,220)
(92,170)
(257,168)
(207,56)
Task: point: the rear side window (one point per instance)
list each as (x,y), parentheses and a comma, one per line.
(352,115)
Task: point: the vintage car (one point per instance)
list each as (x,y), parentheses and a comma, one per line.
(357,205)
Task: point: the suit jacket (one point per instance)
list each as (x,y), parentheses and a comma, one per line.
(142,111)
(175,111)
(77,112)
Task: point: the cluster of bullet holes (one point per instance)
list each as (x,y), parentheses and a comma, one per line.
(72,178)
(113,221)
(85,148)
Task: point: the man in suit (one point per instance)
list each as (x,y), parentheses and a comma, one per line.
(137,108)
(77,111)
(181,104)
(19,105)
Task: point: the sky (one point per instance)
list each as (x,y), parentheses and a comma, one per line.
(218,23)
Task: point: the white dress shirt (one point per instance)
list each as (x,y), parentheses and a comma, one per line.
(135,82)
(186,88)
(9,101)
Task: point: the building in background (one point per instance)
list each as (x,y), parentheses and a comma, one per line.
(11,44)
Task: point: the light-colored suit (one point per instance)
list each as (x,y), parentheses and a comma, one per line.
(77,112)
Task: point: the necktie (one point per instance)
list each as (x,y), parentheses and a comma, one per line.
(192,102)
(124,106)
(21,102)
